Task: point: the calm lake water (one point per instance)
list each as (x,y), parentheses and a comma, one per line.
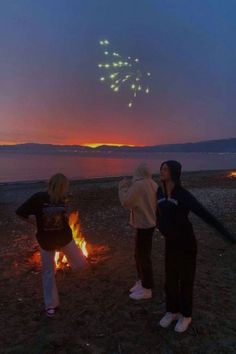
(23,167)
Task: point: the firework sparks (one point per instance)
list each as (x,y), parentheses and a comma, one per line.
(120,72)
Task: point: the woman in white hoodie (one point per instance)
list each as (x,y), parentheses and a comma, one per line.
(140,197)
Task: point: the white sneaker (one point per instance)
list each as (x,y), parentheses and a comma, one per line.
(141,294)
(183,324)
(168,319)
(137,286)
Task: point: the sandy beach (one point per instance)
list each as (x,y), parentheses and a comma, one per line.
(96,315)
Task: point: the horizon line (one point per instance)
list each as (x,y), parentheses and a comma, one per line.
(96,145)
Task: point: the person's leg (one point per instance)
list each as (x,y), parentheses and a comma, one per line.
(172,280)
(145,257)
(50,292)
(171,286)
(143,290)
(137,286)
(138,245)
(74,255)
(187,275)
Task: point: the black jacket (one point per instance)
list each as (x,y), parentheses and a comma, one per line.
(173,221)
(53,230)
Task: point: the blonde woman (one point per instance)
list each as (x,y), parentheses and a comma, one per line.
(53,233)
(140,197)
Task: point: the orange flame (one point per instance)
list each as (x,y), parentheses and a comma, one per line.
(232,174)
(60,258)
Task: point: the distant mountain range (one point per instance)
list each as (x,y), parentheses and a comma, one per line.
(209,146)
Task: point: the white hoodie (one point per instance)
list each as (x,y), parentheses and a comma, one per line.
(140,197)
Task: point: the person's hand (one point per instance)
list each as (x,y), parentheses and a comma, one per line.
(124,183)
(31,220)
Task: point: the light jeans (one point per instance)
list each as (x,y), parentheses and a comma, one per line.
(75,258)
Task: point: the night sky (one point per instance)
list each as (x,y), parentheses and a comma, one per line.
(49,79)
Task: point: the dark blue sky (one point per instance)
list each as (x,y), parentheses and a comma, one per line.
(49,87)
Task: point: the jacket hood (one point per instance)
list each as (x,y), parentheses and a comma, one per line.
(175,168)
(141,172)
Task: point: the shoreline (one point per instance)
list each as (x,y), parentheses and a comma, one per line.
(17,192)
(104,179)
(32,169)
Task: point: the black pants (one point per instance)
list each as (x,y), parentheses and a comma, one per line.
(180,266)
(143,249)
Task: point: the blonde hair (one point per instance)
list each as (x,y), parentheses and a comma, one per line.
(142,171)
(58,187)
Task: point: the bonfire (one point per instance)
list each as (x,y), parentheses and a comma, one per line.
(94,253)
(232,174)
(60,258)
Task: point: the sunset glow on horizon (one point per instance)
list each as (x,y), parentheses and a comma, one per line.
(94,145)
(91,145)
(52,66)
(8,143)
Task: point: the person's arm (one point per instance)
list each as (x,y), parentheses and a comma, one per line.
(128,195)
(27,210)
(157,218)
(190,202)
(157,208)
(29,220)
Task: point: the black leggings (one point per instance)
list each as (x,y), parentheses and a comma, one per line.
(143,249)
(180,266)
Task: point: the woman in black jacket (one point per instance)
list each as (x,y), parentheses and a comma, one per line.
(173,206)
(49,211)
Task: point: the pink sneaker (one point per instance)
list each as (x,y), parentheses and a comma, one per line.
(168,319)
(50,312)
(183,324)
(142,294)
(137,286)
